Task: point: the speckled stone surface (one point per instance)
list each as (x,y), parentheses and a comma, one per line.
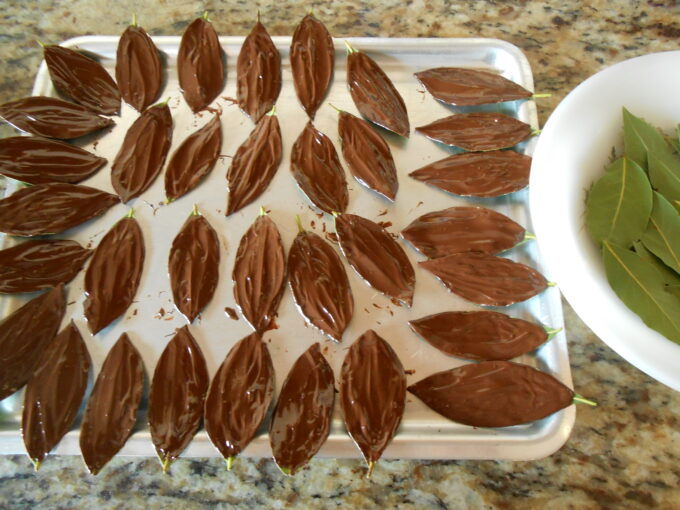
(623,454)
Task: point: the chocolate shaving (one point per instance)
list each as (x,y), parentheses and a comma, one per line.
(138,68)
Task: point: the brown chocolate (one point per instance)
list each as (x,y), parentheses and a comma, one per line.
(312,59)
(54,393)
(199,64)
(368,156)
(37,160)
(478,174)
(142,154)
(320,285)
(470,87)
(24,335)
(258,73)
(372,394)
(193,159)
(239,396)
(376,256)
(111,411)
(301,419)
(485,279)
(52,117)
(46,209)
(259,273)
(493,394)
(138,68)
(316,167)
(478,131)
(177,394)
(113,276)
(194,266)
(480,335)
(374,94)
(254,164)
(40,264)
(461,229)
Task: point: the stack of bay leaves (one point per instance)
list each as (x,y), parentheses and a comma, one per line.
(633,212)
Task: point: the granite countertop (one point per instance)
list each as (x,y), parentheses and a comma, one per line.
(623,454)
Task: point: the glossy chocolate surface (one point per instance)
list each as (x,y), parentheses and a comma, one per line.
(54,393)
(372,394)
(138,68)
(320,285)
(52,117)
(376,256)
(478,174)
(40,264)
(37,160)
(24,335)
(316,167)
(239,396)
(480,335)
(493,394)
(302,417)
(46,209)
(259,273)
(367,155)
(142,154)
(112,408)
(485,279)
(462,229)
(478,131)
(113,276)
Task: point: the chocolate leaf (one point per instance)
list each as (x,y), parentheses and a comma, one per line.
(312,58)
(374,94)
(259,273)
(54,393)
(40,264)
(199,64)
(368,156)
(301,419)
(142,154)
(254,164)
(485,279)
(258,73)
(461,229)
(194,266)
(493,394)
(51,117)
(480,335)
(478,174)
(193,159)
(24,334)
(46,209)
(82,79)
(239,396)
(320,286)
(138,68)
(661,236)
(372,394)
(376,256)
(112,409)
(177,394)
(641,139)
(317,170)
(37,160)
(113,276)
(478,131)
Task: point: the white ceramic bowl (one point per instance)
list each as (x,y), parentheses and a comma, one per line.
(571,153)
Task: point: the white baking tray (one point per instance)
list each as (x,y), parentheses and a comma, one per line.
(423,433)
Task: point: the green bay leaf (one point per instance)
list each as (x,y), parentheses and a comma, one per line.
(664,174)
(669,276)
(641,138)
(638,284)
(619,204)
(662,236)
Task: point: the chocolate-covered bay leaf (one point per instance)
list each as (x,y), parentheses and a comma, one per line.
(642,289)
(112,408)
(138,68)
(641,139)
(301,419)
(662,236)
(619,204)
